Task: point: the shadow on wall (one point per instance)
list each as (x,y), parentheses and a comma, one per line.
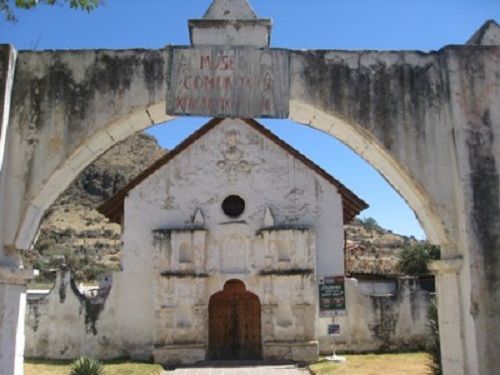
(71,320)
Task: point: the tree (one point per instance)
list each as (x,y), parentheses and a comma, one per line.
(7,6)
(413,260)
(369,223)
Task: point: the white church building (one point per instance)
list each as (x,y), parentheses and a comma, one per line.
(225,239)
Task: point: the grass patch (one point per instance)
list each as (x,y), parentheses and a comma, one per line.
(376,364)
(46,367)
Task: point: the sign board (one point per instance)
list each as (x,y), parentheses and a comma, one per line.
(228,81)
(331,296)
(334,329)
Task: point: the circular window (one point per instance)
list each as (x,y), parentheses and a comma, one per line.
(233,206)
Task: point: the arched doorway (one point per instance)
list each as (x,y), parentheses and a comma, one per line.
(234,323)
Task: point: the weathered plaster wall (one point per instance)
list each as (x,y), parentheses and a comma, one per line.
(68,108)
(374,323)
(61,326)
(235,159)
(286,293)
(7,67)
(430,124)
(65,325)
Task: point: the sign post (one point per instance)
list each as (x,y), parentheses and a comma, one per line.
(331,296)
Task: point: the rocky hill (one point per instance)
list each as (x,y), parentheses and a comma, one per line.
(74,235)
(373,250)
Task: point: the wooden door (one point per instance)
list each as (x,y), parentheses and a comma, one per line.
(234,323)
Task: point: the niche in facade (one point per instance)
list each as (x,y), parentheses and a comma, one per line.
(283,248)
(183,316)
(185,253)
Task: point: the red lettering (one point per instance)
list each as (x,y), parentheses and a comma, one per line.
(198,83)
(268,81)
(266,105)
(192,103)
(226,104)
(221,62)
(228,83)
(204,62)
(180,104)
(186,83)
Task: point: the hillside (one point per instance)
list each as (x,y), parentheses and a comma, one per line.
(373,250)
(74,235)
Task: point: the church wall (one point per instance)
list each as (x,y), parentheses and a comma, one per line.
(187,194)
(59,328)
(246,164)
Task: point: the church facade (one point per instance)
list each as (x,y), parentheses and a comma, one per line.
(224,241)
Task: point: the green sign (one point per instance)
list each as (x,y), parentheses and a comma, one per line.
(331,296)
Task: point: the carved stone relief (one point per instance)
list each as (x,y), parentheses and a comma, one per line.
(232,162)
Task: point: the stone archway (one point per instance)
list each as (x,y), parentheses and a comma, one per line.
(428,122)
(234,328)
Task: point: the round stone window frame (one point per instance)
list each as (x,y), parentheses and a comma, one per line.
(233,206)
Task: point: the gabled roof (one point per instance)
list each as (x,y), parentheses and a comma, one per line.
(351,203)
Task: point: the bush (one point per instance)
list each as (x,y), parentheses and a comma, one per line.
(413,260)
(434,347)
(87,366)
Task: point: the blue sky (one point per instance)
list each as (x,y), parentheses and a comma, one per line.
(298,24)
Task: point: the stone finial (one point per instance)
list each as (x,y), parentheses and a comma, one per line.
(198,218)
(487,35)
(230,23)
(268,218)
(230,10)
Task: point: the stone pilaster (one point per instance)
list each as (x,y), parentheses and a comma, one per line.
(13,306)
(447,273)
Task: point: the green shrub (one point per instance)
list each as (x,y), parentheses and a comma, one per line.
(87,366)
(413,260)
(434,346)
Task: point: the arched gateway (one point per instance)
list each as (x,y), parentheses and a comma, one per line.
(429,122)
(234,327)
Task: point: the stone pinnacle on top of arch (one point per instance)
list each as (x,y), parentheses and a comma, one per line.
(230,23)
(230,10)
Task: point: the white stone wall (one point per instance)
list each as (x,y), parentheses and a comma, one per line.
(183,289)
(57,328)
(373,323)
(65,325)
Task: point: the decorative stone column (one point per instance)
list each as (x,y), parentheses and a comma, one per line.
(447,273)
(13,305)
